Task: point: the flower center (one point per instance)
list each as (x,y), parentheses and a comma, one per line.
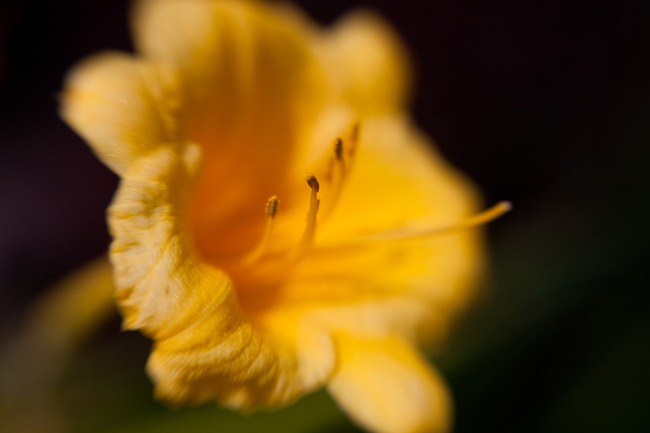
(283,242)
(335,175)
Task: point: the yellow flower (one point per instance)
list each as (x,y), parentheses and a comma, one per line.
(227,108)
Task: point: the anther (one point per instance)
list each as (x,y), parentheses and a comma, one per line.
(338,149)
(313,183)
(339,165)
(335,160)
(272,206)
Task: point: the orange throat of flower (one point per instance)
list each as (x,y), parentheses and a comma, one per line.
(274,256)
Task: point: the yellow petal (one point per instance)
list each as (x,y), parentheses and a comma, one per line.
(410,287)
(251,90)
(386,386)
(249,76)
(204,348)
(367,63)
(397,180)
(119,105)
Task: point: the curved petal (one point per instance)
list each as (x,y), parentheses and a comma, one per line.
(367,64)
(385,386)
(120,106)
(203,348)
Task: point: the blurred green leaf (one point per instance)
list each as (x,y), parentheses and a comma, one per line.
(107,391)
(314,413)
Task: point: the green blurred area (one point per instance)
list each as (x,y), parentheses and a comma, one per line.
(562,341)
(107,391)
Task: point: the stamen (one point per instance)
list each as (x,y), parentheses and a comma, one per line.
(343,153)
(335,160)
(338,173)
(313,183)
(474,221)
(340,160)
(355,133)
(272,207)
(262,247)
(310,229)
(338,149)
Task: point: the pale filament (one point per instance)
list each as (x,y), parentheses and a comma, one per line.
(336,175)
(266,258)
(312,215)
(337,172)
(479,219)
(262,248)
(339,166)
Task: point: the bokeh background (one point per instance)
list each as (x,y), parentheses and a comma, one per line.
(546,104)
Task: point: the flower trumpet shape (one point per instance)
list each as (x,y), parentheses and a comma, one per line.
(280,224)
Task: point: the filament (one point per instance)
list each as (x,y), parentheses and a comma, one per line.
(310,228)
(261,249)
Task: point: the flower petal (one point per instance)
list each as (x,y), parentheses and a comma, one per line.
(204,349)
(386,386)
(412,287)
(367,63)
(252,89)
(397,180)
(250,78)
(118,105)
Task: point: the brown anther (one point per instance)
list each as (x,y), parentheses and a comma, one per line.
(272,206)
(313,183)
(338,148)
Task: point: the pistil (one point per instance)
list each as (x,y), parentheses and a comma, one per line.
(479,219)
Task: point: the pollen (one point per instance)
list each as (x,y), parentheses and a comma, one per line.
(272,206)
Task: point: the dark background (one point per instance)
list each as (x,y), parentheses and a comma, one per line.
(546,104)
